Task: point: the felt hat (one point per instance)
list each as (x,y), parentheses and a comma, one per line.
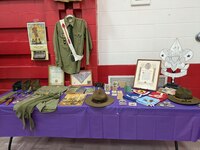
(17,86)
(99,99)
(183,96)
(26,85)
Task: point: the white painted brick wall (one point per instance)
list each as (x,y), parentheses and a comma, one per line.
(127,33)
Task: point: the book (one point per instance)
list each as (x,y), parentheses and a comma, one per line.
(73,100)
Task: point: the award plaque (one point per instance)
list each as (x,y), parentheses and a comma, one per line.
(56,76)
(147,74)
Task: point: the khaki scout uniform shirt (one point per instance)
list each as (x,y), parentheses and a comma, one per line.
(62,50)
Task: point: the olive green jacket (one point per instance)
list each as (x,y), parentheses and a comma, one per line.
(62,51)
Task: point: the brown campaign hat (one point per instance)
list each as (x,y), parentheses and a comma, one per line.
(183,96)
(99,99)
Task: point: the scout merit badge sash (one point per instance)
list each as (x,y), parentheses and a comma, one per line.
(69,42)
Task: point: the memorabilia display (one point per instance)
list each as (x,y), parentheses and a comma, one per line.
(165,104)
(132,104)
(37,40)
(89,90)
(141,92)
(119,95)
(167,90)
(99,99)
(131,96)
(114,93)
(147,74)
(21,97)
(70,34)
(73,100)
(39,55)
(147,101)
(127,89)
(107,88)
(121,80)
(81,90)
(84,77)
(114,88)
(99,85)
(162,81)
(175,58)
(26,85)
(45,98)
(56,76)
(75,56)
(122,102)
(184,96)
(158,95)
(50,90)
(72,89)
(17,86)
(7,96)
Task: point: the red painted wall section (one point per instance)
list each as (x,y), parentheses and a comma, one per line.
(15,62)
(191,81)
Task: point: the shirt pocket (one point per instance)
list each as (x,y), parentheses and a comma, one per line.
(62,39)
(77,38)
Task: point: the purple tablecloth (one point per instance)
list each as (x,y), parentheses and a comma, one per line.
(181,123)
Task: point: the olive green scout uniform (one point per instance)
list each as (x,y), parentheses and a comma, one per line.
(63,54)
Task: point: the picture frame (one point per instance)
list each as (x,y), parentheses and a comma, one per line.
(56,75)
(130,80)
(147,74)
(83,78)
(121,80)
(38,40)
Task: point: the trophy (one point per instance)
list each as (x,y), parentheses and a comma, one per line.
(174,62)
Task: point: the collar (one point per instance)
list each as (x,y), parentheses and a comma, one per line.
(69,21)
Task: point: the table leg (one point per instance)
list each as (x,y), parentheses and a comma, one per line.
(10,142)
(176,145)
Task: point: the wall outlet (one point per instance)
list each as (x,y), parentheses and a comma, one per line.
(140,2)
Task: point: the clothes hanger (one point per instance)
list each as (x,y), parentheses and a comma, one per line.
(69,16)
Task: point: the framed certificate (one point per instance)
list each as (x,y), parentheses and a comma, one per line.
(147,74)
(56,76)
(84,77)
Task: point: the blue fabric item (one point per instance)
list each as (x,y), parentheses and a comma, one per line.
(148,101)
(131,96)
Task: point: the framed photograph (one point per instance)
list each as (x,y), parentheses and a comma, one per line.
(121,80)
(147,74)
(84,77)
(56,75)
(37,40)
